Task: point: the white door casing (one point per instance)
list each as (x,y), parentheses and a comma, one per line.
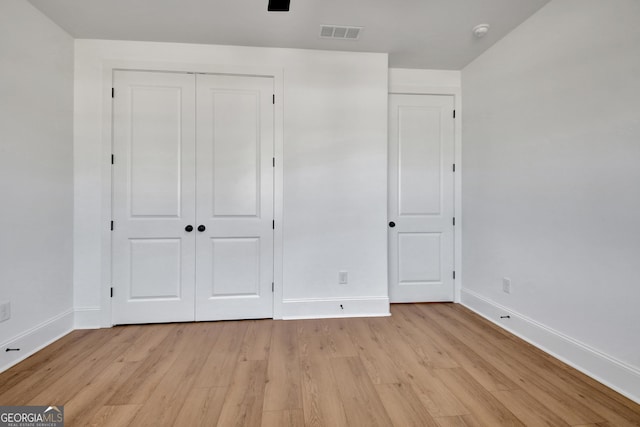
(161,271)
(235,137)
(421,198)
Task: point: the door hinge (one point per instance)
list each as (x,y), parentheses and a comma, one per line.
(111,292)
(273,224)
(272,286)
(274,162)
(454,167)
(454,221)
(113,92)
(111,225)
(454,275)
(113,159)
(454,114)
(274,98)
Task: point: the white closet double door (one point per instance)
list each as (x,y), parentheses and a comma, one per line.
(192,197)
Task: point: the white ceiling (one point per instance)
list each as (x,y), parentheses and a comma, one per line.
(433,34)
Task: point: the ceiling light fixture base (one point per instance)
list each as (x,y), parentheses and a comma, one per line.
(479,31)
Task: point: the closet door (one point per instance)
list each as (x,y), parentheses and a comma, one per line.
(234,242)
(153,254)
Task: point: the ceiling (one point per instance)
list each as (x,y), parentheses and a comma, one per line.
(433,34)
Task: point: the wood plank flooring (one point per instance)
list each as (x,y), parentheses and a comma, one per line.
(427,365)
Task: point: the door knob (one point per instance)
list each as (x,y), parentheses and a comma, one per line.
(392,224)
(201,228)
(188,228)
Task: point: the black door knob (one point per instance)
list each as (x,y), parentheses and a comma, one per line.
(201,228)
(188,228)
(392,224)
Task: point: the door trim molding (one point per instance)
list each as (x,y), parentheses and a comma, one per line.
(108,68)
(404,89)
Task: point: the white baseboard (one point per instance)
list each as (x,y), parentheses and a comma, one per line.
(617,375)
(308,308)
(317,308)
(88,318)
(35,339)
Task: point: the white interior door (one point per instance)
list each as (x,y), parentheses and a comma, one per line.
(421,198)
(235,197)
(153,197)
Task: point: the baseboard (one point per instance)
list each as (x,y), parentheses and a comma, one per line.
(613,373)
(88,318)
(309,308)
(35,339)
(317,308)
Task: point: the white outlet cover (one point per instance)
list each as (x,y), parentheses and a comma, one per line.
(5,311)
(343,277)
(506,285)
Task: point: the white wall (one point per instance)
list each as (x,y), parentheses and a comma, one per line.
(551,197)
(409,80)
(36,179)
(335,133)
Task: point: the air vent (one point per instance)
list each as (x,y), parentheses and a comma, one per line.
(340,32)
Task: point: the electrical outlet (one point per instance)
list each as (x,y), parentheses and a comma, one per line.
(343,277)
(506,285)
(5,311)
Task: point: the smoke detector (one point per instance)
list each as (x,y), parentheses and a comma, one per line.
(340,32)
(479,31)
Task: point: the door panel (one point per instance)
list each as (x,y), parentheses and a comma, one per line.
(153,197)
(421,198)
(155,145)
(417,270)
(236,267)
(235,197)
(155,269)
(236,157)
(419,160)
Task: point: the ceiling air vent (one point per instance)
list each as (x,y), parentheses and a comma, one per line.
(339,32)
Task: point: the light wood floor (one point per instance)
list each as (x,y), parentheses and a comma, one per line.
(427,365)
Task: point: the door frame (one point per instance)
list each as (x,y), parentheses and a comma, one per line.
(396,88)
(108,68)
